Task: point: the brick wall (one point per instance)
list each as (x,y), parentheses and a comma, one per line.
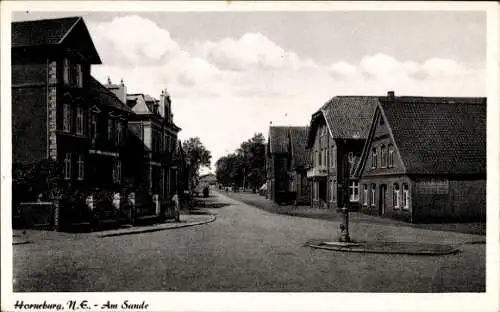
(29,124)
(449,199)
(389,210)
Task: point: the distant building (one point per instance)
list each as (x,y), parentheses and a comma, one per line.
(425,159)
(337,134)
(286,162)
(208,179)
(153,143)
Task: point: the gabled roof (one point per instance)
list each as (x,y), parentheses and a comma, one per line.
(278,139)
(298,139)
(103,96)
(51,32)
(347,117)
(437,135)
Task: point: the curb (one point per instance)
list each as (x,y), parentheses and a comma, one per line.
(366,248)
(149,230)
(21,243)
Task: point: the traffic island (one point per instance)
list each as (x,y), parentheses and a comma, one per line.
(380,247)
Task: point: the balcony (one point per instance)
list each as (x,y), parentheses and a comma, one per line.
(319,171)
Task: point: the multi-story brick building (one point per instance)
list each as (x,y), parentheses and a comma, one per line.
(425,159)
(59,111)
(153,144)
(337,134)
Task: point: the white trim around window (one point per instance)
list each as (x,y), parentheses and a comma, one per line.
(406,197)
(396,195)
(79,121)
(81,167)
(67,166)
(365,195)
(374,189)
(354,191)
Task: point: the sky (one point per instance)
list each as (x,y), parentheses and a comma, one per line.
(232,73)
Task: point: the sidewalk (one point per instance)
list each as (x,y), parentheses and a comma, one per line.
(32,236)
(476,228)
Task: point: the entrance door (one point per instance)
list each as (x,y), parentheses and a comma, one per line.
(382,199)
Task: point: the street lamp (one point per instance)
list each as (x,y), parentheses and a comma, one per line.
(344,226)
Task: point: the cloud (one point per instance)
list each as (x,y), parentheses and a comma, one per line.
(252,50)
(132,40)
(224,91)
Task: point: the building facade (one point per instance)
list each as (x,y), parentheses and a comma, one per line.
(335,142)
(286,164)
(425,159)
(153,145)
(59,111)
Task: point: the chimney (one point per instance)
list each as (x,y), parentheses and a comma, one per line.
(390,95)
(162,104)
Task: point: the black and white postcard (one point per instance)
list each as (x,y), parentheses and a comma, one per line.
(249,156)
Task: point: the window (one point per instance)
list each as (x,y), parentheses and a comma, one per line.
(374,158)
(66,72)
(81,167)
(332,191)
(372,202)
(354,191)
(119,132)
(117,171)
(365,195)
(395,196)
(67,166)
(79,75)
(93,126)
(390,161)
(350,157)
(66,118)
(110,129)
(316,158)
(79,120)
(406,197)
(333,158)
(383,157)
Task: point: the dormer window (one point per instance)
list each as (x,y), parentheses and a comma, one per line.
(383,156)
(66,71)
(390,158)
(79,76)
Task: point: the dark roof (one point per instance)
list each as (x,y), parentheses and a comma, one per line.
(347,117)
(278,139)
(42,32)
(444,136)
(298,138)
(48,32)
(102,95)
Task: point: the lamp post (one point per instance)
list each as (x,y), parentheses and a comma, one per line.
(344,226)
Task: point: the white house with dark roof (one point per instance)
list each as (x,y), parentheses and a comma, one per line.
(425,159)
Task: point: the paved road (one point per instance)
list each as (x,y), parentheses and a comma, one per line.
(245,249)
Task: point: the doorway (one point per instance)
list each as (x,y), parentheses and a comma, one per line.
(382,199)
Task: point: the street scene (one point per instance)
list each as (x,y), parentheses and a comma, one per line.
(246,249)
(340,151)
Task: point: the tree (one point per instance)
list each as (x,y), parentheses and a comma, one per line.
(197,157)
(247,166)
